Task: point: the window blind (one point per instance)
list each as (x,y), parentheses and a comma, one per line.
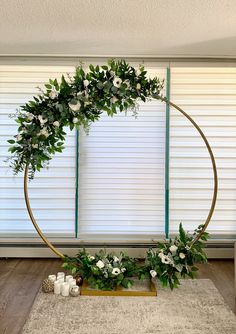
(52,192)
(209,96)
(122,173)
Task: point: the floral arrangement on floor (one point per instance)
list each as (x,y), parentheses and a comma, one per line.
(104,271)
(76,102)
(170,261)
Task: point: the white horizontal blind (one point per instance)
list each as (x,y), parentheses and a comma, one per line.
(209,96)
(52,192)
(121,175)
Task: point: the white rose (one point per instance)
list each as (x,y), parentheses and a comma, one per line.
(182,255)
(114,99)
(75,120)
(86,83)
(19,137)
(116,271)
(44,132)
(75,107)
(173,249)
(35,145)
(42,120)
(53,94)
(138,86)
(56,123)
(100,264)
(115,258)
(153,273)
(117,82)
(123,270)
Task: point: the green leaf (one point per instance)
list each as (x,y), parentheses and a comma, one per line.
(11,141)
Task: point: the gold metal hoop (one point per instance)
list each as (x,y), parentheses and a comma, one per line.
(213,202)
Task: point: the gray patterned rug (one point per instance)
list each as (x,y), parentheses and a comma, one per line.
(195,308)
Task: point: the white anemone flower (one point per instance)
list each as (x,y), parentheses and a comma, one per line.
(42,120)
(165,259)
(116,271)
(53,94)
(75,107)
(153,273)
(117,82)
(100,264)
(56,124)
(173,249)
(182,256)
(86,83)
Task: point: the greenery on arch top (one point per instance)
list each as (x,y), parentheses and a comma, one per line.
(77,101)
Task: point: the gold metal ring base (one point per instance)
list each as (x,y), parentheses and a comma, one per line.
(213,202)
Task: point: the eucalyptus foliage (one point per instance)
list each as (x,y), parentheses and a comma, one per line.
(76,102)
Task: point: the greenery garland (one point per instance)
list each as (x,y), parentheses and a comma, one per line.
(76,102)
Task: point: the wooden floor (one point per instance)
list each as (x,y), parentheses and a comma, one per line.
(20,280)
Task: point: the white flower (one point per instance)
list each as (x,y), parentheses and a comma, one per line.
(100,264)
(35,145)
(42,120)
(75,107)
(114,99)
(116,271)
(44,132)
(53,94)
(138,86)
(182,255)
(30,116)
(87,103)
(153,273)
(117,82)
(173,249)
(75,120)
(165,259)
(123,270)
(160,255)
(115,258)
(91,258)
(86,83)
(112,73)
(19,137)
(56,123)
(138,72)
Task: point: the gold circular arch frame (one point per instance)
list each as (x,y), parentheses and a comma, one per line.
(213,202)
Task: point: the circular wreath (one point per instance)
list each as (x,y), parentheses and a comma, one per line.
(79,101)
(76,102)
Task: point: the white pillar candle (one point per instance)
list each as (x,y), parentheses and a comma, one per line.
(68,277)
(65,289)
(72,283)
(60,274)
(52,278)
(61,279)
(57,287)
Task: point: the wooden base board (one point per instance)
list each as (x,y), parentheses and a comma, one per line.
(152,292)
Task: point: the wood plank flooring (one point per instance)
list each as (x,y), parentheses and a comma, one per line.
(20,280)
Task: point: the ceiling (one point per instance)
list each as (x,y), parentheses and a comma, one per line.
(151,28)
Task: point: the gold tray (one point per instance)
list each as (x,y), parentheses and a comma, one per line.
(120,291)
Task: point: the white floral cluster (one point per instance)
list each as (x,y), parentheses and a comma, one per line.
(113,267)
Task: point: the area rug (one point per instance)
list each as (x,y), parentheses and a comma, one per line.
(195,308)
